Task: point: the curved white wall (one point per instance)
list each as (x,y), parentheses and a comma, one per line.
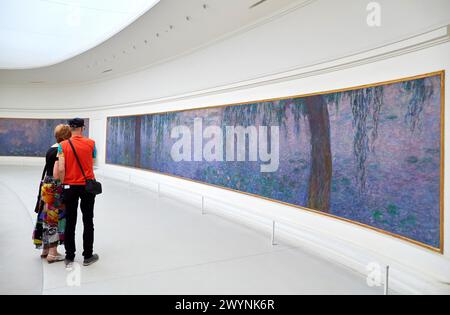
(293,54)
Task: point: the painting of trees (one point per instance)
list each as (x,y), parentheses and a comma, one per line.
(370,155)
(316,110)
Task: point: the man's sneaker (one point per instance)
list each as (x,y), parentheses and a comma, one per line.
(68,263)
(90,261)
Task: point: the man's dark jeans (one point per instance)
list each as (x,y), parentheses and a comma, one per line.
(71,198)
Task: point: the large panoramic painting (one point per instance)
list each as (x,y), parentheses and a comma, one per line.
(28,137)
(370,155)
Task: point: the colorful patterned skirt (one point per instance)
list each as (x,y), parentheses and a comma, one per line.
(51,222)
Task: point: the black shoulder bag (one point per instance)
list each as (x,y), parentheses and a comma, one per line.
(40,204)
(92,186)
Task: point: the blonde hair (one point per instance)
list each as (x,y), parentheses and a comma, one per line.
(62,133)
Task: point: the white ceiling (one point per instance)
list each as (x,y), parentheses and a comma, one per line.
(171,28)
(39,33)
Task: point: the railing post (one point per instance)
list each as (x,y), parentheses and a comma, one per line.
(386,282)
(203,205)
(273,233)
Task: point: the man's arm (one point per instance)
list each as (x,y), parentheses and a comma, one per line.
(61,164)
(94,155)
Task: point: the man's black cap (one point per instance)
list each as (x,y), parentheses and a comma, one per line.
(76,123)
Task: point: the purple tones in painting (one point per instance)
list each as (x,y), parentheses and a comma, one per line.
(28,137)
(371,155)
(120,142)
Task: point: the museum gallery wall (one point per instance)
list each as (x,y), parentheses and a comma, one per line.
(369,155)
(21,137)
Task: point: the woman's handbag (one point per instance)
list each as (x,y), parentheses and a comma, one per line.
(92,186)
(40,204)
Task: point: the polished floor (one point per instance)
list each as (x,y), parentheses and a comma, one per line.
(151,245)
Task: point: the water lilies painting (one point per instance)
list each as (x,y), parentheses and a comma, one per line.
(370,155)
(21,137)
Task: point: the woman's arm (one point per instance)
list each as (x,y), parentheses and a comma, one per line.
(56,170)
(61,162)
(61,169)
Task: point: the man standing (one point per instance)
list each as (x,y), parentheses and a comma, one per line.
(74,183)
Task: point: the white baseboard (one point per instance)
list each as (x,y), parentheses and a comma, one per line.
(22,161)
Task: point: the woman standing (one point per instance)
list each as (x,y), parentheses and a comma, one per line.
(49,230)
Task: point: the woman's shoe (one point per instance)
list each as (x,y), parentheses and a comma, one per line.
(51,259)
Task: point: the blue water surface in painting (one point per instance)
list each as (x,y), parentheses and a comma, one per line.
(120,141)
(385,147)
(29,137)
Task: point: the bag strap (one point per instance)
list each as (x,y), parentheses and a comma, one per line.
(44,172)
(42,180)
(78,160)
